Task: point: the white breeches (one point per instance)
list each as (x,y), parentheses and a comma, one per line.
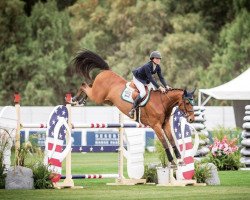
(140,86)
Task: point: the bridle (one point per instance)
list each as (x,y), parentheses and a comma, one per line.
(187,112)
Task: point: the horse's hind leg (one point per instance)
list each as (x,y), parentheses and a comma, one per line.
(76,98)
(81,95)
(83,100)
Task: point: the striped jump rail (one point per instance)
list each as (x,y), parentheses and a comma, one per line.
(91,125)
(110,125)
(92,176)
(37,125)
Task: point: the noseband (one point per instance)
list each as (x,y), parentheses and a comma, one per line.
(187,112)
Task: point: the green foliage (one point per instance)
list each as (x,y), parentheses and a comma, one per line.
(2,174)
(41,176)
(161,153)
(224,152)
(231,133)
(226,162)
(36,66)
(22,154)
(232,52)
(202,172)
(150,174)
(3,145)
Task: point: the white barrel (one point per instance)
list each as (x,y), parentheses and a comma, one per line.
(245,134)
(246,125)
(245,160)
(198,126)
(247,118)
(245,151)
(202,151)
(246,142)
(199,118)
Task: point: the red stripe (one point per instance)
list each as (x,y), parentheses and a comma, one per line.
(189,145)
(56,178)
(58,147)
(189,160)
(55,162)
(92,125)
(188,175)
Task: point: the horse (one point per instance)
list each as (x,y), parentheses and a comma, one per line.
(107,87)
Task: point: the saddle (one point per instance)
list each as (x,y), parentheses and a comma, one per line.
(131,92)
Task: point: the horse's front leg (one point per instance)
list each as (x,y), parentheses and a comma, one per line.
(160,134)
(168,133)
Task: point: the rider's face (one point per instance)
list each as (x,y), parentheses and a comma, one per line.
(157,61)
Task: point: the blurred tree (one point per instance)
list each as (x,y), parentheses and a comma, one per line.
(34,62)
(185,50)
(232,55)
(202,42)
(50,48)
(15,31)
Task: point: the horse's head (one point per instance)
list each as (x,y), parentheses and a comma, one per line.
(186,105)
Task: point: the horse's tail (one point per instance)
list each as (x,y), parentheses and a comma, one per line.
(87,60)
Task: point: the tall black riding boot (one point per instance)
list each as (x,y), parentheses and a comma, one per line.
(135,105)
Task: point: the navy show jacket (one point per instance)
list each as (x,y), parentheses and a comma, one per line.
(144,74)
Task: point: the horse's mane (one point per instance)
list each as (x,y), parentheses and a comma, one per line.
(85,61)
(172,89)
(169,90)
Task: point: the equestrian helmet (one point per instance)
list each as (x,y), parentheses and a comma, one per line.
(155,54)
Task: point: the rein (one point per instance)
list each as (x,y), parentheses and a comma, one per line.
(186,110)
(185,113)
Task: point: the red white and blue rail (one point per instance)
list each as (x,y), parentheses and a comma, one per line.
(109,125)
(92,176)
(91,125)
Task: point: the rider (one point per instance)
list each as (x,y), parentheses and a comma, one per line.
(143,76)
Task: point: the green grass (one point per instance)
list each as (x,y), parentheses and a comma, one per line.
(234,184)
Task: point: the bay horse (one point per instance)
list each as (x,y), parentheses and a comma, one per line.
(108,86)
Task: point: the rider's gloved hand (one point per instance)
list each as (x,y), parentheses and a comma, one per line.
(168,87)
(162,89)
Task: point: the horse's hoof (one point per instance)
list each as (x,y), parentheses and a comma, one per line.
(181,163)
(74,99)
(82,102)
(172,164)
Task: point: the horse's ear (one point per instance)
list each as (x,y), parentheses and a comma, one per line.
(193,91)
(185,92)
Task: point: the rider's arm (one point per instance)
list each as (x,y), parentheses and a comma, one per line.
(150,77)
(161,77)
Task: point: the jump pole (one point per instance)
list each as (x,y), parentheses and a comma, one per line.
(68,182)
(19,126)
(17,99)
